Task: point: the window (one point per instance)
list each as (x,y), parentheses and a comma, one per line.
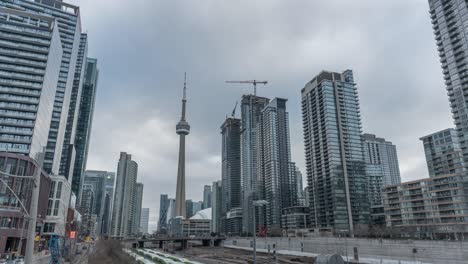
(59,190)
(56,207)
(49,206)
(52,190)
(49,227)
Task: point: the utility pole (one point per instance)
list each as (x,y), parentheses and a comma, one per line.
(254,82)
(33,212)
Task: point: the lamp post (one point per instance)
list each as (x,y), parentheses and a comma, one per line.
(255,204)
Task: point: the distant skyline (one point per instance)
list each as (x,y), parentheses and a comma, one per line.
(396,66)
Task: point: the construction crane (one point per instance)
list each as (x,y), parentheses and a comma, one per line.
(254,82)
(234,110)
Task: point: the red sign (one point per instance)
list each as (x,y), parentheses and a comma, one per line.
(72,234)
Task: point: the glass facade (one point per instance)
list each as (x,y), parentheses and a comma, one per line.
(443,153)
(30,55)
(68,151)
(276,169)
(84,122)
(381,166)
(69,27)
(335,162)
(251,111)
(450,24)
(230,168)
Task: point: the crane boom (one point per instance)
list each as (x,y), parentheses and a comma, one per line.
(254,82)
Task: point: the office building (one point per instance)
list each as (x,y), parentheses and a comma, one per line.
(144,221)
(449,18)
(182,129)
(163,206)
(123,218)
(12,232)
(231,173)
(84,122)
(69,152)
(106,212)
(30,56)
(102,185)
(216,207)
(206,196)
(381,166)
(276,169)
(443,153)
(88,217)
(57,206)
(251,114)
(334,154)
(435,207)
(137,207)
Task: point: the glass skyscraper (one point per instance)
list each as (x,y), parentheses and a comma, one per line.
(251,112)
(334,155)
(230,170)
(68,151)
(84,122)
(381,166)
(449,20)
(443,153)
(275,166)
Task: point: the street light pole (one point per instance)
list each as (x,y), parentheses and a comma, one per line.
(33,213)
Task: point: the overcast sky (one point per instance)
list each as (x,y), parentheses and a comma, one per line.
(145,46)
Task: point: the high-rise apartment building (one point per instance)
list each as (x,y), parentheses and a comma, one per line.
(275,168)
(84,122)
(334,154)
(216,207)
(106,213)
(189,208)
(381,166)
(67,17)
(88,217)
(30,55)
(144,220)
(124,200)
(137,207)
(300,188)
(251,113)
(443,153)
(206,196)
(449,18)
(68,152)
(102,185)
(163,206)
(231,172)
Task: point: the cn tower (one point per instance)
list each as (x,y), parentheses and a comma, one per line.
(182,129)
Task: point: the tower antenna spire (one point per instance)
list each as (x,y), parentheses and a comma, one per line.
(185,86)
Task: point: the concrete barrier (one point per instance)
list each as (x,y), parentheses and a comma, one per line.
(415,251)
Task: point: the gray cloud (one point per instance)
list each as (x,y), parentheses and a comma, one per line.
(144,47)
